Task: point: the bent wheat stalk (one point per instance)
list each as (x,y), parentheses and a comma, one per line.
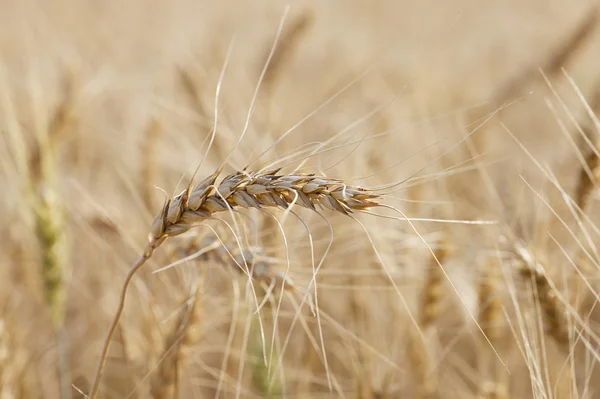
(240,189)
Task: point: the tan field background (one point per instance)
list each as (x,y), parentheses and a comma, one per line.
(476,119)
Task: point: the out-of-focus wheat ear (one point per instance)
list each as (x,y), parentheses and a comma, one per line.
(490,304)
(50,217)
(421,349)
(588,179)
(50,223)
(190,85)
(149,164)
(185,334)
(288,42)
(555,322)
(559,57)
(492,324)
(421,363)
(50,231)
(432,300)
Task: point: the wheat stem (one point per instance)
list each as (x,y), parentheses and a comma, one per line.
(117,316)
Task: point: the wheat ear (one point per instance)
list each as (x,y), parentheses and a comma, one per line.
(553,316)
(51,223)
(245,190)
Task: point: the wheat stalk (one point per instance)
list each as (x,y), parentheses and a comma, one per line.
(241,189)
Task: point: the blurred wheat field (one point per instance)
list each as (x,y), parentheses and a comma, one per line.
(475,122)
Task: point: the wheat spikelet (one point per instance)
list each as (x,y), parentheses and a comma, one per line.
(432,295)
(240,189)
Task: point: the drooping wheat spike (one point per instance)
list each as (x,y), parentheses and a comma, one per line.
(555,322)
(257,190)
(588,181)
(241,189)
(433,290)
(185,333)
